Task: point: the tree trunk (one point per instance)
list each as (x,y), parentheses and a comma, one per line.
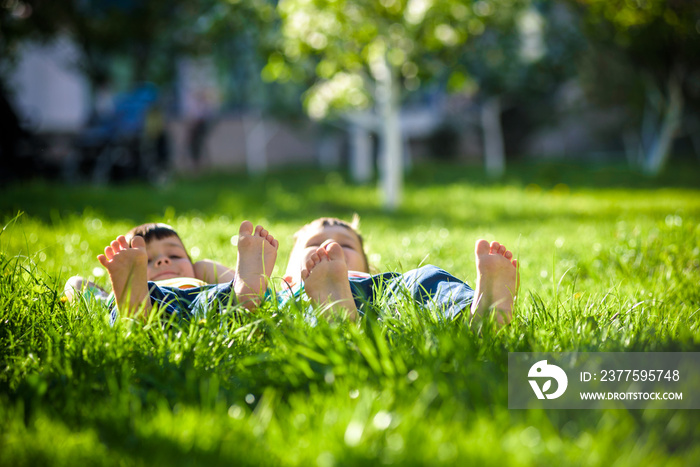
(660,149)
(694,133)
(360,154)
(257,135)
(257,132)
(329,152)
(632,146)
(390,145)
(494,152)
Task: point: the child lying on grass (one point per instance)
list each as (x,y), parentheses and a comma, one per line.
(329,262)
(150,264)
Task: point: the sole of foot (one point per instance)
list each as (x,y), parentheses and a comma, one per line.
(128,272)
(497,282)
(257,253)
(325,277)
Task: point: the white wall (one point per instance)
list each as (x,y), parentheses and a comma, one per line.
(48,91)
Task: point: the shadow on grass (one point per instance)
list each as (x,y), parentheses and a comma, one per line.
(295,193)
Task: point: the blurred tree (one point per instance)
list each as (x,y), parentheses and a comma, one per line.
(521,53)
(144,33)
(363,54)
(237,34)
(16,26)
(148,38)
(647,55)
(149,35)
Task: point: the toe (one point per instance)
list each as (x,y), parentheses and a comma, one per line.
(322,254)
(502,250)
(109,252)
(102,259)
(310,263)
(508,254)
(246,228)
(482,247)
(138,242)
(274,242)
(122,242)
(115,246)
(263,233)
(335,251)
(494,247)
(258,229)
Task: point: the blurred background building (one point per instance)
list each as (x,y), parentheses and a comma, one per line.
(103,89)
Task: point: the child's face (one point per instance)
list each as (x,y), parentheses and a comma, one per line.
(167,259)
(309,243)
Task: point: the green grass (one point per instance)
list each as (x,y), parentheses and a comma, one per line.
(605,266)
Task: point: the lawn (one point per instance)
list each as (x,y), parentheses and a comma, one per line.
(609,261)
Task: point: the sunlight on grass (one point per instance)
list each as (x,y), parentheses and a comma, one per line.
(604,269)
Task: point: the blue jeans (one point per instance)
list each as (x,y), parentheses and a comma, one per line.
(428,286)
(189,303)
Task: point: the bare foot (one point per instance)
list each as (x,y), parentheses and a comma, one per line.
(497,282)
(325,277)
(127,268)
(257,253)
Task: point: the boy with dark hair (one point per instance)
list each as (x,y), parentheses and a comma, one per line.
(150,264)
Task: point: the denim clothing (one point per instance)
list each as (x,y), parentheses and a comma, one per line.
(188,303)
(428,286)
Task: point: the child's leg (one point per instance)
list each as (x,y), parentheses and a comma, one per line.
(326,282)
(78,285)
(497,282)
(257,253)
(429,286)
(434,288)
(127,267)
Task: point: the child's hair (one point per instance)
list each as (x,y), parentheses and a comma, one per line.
(322,222)
(152,231)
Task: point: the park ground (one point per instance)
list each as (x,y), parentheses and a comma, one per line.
(609,262)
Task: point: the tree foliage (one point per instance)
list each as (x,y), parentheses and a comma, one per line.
(148,34)
(656,37)
(654,48)
(342,47)
(526,50)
